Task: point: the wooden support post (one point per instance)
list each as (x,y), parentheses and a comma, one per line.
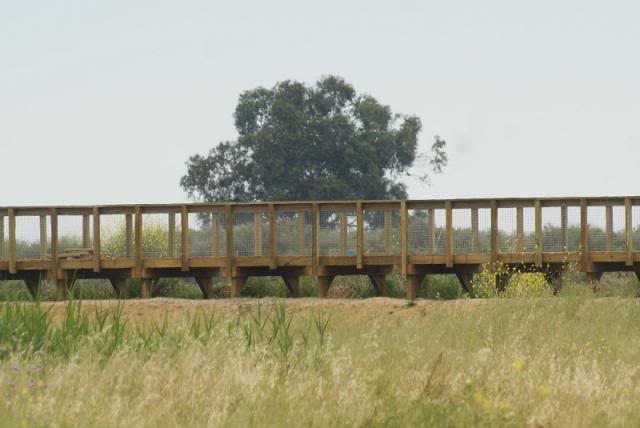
(628,230)
(474,230)
(121,286)
(171,235)
(502,280)
(257,224)
(609,222)
(293,285)
(315,241)
(413,285)
(96,239)
(494,231)
(215,233)
(359,236)
(147,287)
(388,231)
(53,274)
(584,235)
(33,285)
(538,232)
(379,284)
(205,283)
(448,240)
(554,278)
(184,235)
(138,241)
(343,233)
(228,217)
(236,285)
(301,233)
(12,241)
(43,237)
(431,220)
(273,248)
(465,279)
(404,238)
(86,230)
(128,221)
(564,225)
(519,229)
(61,288)
(324,282)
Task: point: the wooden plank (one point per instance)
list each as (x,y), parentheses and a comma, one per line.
(43,237)
(228,216)
(86,230)
(215,233)
(608,210)
(628,228)
(96,239)
(538,232)
(343,233)
(584,235)
(54,243)
(359,235)
(273,249)
(474,229)
(184,235)
(519,229)
(301,233)
(494,232)
(388,231)
(171,235)
(448,240)
(431,219)
(404,238)
(12,241)
(137,231)
(257,224)
(1,237)
(564,226)
(315,241)
(128,230)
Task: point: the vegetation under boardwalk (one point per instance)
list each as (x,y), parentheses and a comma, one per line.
(319,238)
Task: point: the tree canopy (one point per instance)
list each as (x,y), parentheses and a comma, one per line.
(299,142)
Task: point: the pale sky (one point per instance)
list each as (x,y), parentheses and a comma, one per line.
(103,102)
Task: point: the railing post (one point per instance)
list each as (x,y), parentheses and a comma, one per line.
(96,239)
(474,229)
(519,229)
(538,232)
(273,250)
(54,244)
(1,236)
(215,233)
(171,235)
(494,231)
(448,241)
(343,233)
(404,238)
(43,237)
(564,224)
(609,226)
(257,226)
(184,234)
(301,232)
(228,216)
(584,234)
(138,237)
(388,227)
(12,241)
(431,220)
(359,236)
(86,230)
(128,220)
(315,241)
(628,228)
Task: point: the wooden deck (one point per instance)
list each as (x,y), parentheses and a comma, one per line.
(320,238)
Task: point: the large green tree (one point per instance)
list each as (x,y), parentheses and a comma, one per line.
(299,142)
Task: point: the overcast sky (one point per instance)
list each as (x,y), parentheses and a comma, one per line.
(103,102)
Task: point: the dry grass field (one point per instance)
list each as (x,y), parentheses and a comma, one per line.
(563,361)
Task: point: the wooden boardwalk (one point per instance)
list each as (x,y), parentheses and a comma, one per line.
(413,238)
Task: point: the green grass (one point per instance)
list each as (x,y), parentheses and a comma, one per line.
(560,361)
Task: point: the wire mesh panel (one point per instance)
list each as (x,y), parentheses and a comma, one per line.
(116,236)
(293,233)
(4,238)
(597,225)
(471,230)
(381,231)
(251,233)
(426,230)
(207,234)
(28,237)
(514,235)
(635,227)
(161,235)
(75,232)
(337,233)
(561,229)
(606,228)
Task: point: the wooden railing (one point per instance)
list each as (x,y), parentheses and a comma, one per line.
(591,232)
